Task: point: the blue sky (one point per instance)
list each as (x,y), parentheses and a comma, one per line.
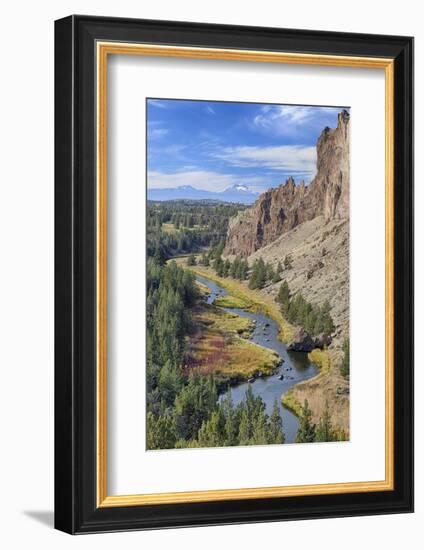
(213,145)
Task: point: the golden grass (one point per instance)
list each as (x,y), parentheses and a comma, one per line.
(223,321)
(292,400)
(232,302)
(168,228)
(291,403)
(320,358)
(220,346)
(322,388)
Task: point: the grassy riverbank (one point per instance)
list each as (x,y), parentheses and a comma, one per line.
(242,296)
(328,386)
(220,345)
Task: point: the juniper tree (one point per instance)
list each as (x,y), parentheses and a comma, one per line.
(191,260)
(218,266)
(260,429)
(277,274)
(159,255)
(345,366)
(160,431)
(169,382)
(212,431)
(258,275)
(275,431)
(307,430)
(245,429)
(283,298)
(231,428)
(324,430)
(269,272)
(244,268)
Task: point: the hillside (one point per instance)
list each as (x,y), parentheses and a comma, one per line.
(309,224)
(305,228)
(319,251)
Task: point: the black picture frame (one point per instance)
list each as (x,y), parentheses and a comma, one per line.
(76,510)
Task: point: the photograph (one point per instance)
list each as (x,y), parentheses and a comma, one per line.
(234,272)
(247,273)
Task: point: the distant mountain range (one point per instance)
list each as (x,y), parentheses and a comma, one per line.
(235,193)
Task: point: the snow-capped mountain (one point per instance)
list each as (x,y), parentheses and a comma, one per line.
(236,193)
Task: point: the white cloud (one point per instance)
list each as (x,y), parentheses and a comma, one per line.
(154,133)
(199,179)
(289,119)
(158,103)
(172,152)
(288,158)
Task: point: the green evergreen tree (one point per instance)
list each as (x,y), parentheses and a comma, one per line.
(310,321)
(159,255)
(245,428)
(269,272)
(275,432)
(169,382)
(193,405)
(218,266)
(231,428)
(160,432)
(277,276)
(345,366)
(212,431)
(244,268)
(226,268)
(324,431)
(191,260)
(307,430)
(258,275)
(283,298)
(259,429)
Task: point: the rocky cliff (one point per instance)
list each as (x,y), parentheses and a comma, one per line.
(279,210)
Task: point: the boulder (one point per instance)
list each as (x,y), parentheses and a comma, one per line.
(302,341)
(322,341)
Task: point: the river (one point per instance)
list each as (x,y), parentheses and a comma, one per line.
(295,368)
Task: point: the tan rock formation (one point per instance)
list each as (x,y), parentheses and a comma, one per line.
(279,210)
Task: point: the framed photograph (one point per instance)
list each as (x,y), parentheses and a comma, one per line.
(234,269)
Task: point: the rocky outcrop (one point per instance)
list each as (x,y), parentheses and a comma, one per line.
(303,341)
(279,210)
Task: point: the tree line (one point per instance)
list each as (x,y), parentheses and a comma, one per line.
(186,213)
(198,419)
(310,432)
(298,311)
(182,407)
(193,226)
